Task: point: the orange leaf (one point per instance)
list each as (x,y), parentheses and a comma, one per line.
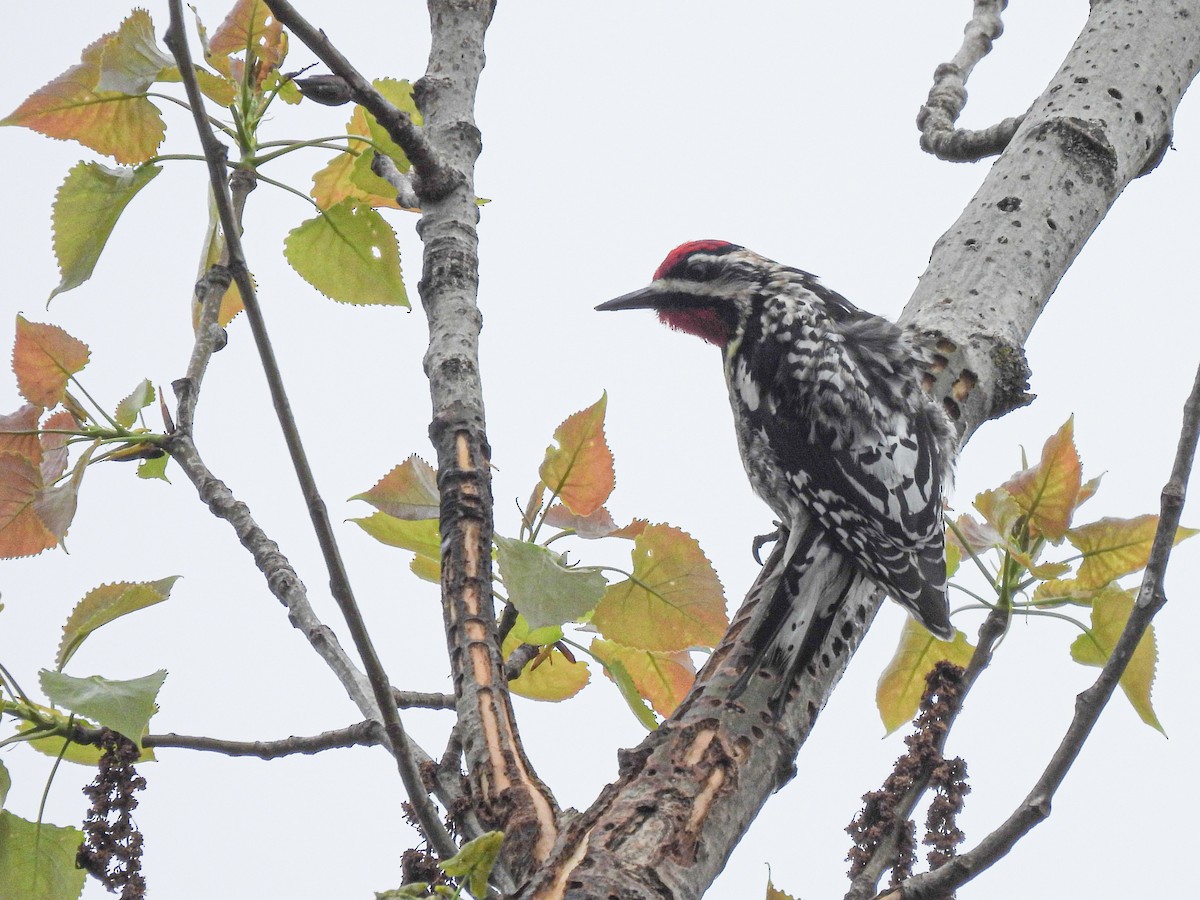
(250,25)
(1048,492)
(22,532)
(12,438)
(409,491)
(597,525)
(662,678)
(1115,547)
(73,107)
(580,469)
(44,358)
(673,601)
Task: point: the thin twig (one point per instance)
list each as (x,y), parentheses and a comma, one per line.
(1090,703)
(434,179)
(948,95)
(363,734)
(426,812)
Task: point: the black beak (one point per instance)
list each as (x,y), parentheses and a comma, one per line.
(646,298)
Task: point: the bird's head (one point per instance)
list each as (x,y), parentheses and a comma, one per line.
(702,287)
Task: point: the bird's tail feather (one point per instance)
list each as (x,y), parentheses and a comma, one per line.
(787,631)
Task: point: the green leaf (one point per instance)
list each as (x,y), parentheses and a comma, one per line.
(615,669)
(1110,612)
(38,860)
(154,468)
(86,209)
(123,706)
(106,604)
(903,681)
(474,861)
(139,398)
(349,254)
(5,784)
(542,587)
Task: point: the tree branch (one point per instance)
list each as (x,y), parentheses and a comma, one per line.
(509,794)
(1089,704)
(367,733)
(435,178)
(399,745)
(948,95)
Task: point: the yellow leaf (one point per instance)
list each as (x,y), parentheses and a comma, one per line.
(674,600)
(1115,547)
(1000,511)
(1110,612)
(1057,591)
(580,469)
(552,678)
(421,536)
(662,678)
(903,681)
(1048,492)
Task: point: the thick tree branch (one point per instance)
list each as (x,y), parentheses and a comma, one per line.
(948,95)
(508,792)
(435,178)
(385,709)
(1089,704)
(1101,120)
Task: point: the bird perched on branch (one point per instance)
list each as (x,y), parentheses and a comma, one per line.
(836,435)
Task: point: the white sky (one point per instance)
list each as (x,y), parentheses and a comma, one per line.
(612,132)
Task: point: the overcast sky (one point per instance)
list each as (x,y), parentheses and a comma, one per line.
(612,132)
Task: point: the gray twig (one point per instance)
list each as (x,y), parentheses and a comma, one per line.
(948,95)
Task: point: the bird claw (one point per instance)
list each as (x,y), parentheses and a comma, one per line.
(762,540)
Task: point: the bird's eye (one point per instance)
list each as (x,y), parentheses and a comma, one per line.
(698,268)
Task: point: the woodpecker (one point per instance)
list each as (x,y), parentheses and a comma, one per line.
(836,435)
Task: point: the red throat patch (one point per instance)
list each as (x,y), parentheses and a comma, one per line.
(702,321)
